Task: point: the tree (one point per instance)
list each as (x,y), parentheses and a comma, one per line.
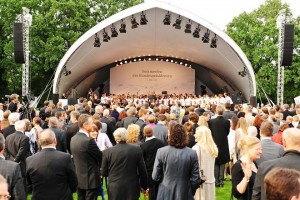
(56,26)
(257,35)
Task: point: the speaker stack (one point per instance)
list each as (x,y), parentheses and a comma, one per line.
(19,43)
(288,45)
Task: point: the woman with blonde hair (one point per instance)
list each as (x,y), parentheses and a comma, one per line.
(245,169)
(242,127)
(207,152)
(133,134)
(202,121)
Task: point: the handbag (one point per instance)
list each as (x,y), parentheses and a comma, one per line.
(202,176)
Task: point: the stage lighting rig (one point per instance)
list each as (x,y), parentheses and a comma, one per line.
(205,38)
(105,36)
(177,23)
(143,20)
(66,72)
(114,32)
(123,27)
(97,42)
(167,19)
(188,27)
(243,73)
(196,32)
(134,24)
(213,43)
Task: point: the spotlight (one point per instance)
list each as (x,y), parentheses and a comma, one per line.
(134,24)
(144,20)
(177,22)
(205,38)
(243,73)
(167,19)
(123,27)
(188,27)
(105,36)
(114,32)
(66,72)
(97,42)
(213,43)
(196,32)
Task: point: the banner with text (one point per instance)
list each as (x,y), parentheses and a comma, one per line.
(152,76)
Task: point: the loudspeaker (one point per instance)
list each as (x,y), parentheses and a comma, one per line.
(18,43)
(55,98)
(253,101)
(164,92)
(288,45)
(72,101)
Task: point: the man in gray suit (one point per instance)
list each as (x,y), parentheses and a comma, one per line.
(12,173)
(160,131)
(290,159)
(270,149)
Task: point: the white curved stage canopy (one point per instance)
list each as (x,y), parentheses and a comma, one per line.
(222,68)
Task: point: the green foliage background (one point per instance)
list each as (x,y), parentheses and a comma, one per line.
(58,24)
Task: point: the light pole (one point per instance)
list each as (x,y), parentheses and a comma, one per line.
(280,22)
(26,20)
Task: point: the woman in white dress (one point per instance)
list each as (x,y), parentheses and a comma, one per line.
(207,151)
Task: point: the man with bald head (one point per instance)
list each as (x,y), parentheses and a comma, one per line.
(290,159)
(50,173)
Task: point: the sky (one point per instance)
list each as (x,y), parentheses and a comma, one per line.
(221,12)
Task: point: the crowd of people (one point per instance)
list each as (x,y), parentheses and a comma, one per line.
(164,147)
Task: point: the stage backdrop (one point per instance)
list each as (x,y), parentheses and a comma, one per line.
(152,76)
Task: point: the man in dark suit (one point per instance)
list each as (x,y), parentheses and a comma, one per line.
(143,116)
(14,101)
(160,131)
(286,111)
(12,118)
(50,173)
(111,126)
(58,108)
(219,127)
(149,149)
(87,158)
(17,147)
(61,143)
(270,149)
(124,165)
(185,118)
(227,114)
(130,119)
(72,129)
(12,173)
(290,159)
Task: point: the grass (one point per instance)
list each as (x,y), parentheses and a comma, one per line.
(221,193)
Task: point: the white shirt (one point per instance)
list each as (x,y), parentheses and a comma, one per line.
(103,141)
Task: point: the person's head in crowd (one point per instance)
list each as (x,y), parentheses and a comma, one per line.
(99,109)
(74,115)
(48,113)
(6,115)
(46,103)
(265,110)
(120,135)
(14,98)
(98,124)
(122,115)
(206,115)
(236,108)
(131,111)
(282,184)
(151,119)
(295,118)
(291,139)
(53,122)
(20,126)
(289,119)
(204,138)
(227,106)
(85,122)
(266,129)
(13,117)
(77,107)
(234,122)
(143,113)
(193,117)
(188,127)
(2,144)
(133,133)
(61,115)
(278,116)
(36,121)
(47,138)
(70,108)
(272,111)
(191,109)
(250,146)
(202,121)
(177,136)
(96,116)
(285,107)
(283,126)
(59,105)
(161,118)
(27,125)
(52,106)
(219,110)
(156,110)
(106,113)
(148,131)
(94,131)
(4,194)
(87,108)
(243,125)
(257,121)
(241,114)
(172,116)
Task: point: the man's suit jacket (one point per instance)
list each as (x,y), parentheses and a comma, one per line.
(128,120)
(87,159)
(12,173)
(60,139)
(228,114)
(124,165)
(110,128)
(70,131)
(8,130)
(220,127)
(160,131)
(142,125)
(51,175)
(270,151)
(17,149)
(290,159)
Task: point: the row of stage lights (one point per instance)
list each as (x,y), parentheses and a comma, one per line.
(166,21)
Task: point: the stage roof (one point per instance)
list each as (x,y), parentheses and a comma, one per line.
(219,66)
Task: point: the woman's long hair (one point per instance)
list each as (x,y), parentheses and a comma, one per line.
(177,136)
(204,139)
